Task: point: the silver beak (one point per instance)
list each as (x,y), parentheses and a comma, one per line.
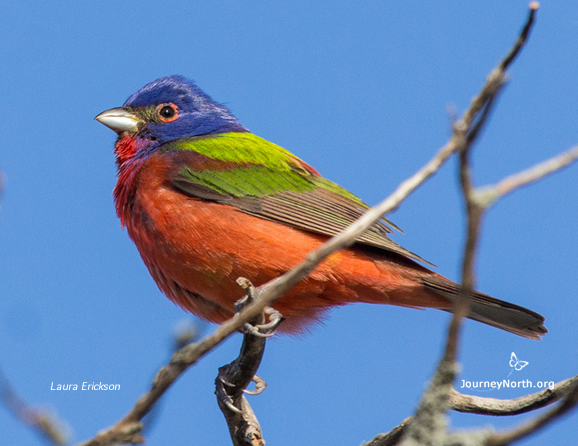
(119,120)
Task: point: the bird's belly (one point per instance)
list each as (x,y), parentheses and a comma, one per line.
(195,250)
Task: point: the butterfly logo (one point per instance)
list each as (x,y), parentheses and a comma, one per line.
(516,364)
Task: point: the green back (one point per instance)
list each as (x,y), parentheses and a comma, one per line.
(265,180)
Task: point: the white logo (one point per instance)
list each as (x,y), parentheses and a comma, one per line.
(516,364)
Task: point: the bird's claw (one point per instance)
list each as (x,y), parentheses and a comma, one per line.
(229,403)
(224,397)
(275,318)
(265,330)
(260,386)
(254,330)
(225,382)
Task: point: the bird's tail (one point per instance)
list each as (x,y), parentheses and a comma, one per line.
(492,311)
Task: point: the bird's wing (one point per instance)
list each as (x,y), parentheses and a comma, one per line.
(263,179)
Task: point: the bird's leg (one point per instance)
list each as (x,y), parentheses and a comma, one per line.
(262,329)
(234,378)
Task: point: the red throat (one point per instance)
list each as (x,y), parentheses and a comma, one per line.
(125,149)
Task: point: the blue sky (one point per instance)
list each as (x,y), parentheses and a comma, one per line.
(360,90)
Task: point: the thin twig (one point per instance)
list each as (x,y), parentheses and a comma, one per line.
(474,211)
(522,38)
(429,426)
(50,428)
(185,332)
(486,406)
(474,215)
(498,407)
(569,402)
(392,437)
(487,195)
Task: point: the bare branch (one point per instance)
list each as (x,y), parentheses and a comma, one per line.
(244,427)
(430,416)
(487,195)
(569,402)
(473,210)
(522,38)
(127,430)
(497,407)
(486,406)
(392,437)
(46,424)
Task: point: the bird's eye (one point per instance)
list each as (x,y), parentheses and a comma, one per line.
(167,112)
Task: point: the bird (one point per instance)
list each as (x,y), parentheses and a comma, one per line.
(206,201)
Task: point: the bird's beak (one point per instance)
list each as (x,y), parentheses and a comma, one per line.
(120,120)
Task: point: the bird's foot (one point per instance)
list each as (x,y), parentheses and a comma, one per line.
(274,318)
(222,394)
(267,329)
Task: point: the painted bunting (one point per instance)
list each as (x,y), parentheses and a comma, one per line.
(206,201)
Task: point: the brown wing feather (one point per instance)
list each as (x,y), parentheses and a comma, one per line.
(320,211)
(324,212)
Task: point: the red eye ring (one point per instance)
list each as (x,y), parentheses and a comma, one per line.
(168,112)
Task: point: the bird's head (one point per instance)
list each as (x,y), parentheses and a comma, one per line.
(167,109)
